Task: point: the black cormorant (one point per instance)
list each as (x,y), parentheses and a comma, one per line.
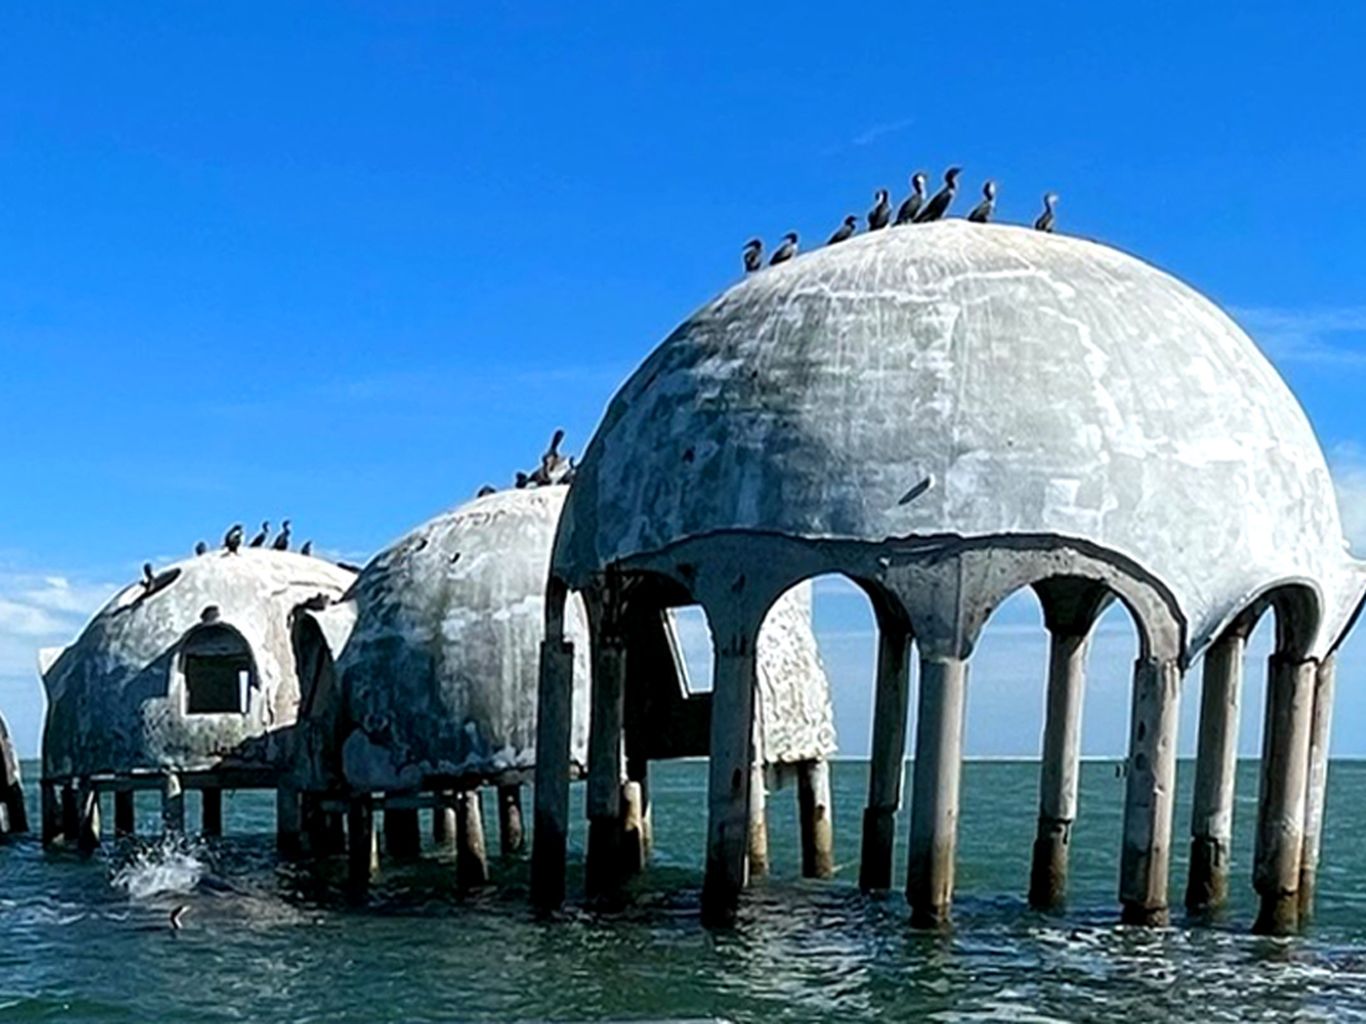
(281,543)
(1047,219)
(485,491)
(881,213)
(201,548)
(260,539)
(845,230)
(753,255)
(908,209)
(939,202)
(307,549)
(554,466)
(785,251)
(521,480)
(232,540)
(149,578)
(981,213)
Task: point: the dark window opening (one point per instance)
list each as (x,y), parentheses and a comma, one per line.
(218,672)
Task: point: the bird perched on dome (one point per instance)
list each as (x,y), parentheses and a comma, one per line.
(554,467)
(905,213)
(981,213)
(307,549)
(485,491)
(149,578)
(881,213)
(785,251)
(845,230)
(232,540)
(1047,219)
(201,548)
(260,539)
(753,255)
(281,543)
(939,202)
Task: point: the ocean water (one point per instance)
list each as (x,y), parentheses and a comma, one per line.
(87,939)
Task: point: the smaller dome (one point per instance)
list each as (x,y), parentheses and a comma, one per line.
(194,672)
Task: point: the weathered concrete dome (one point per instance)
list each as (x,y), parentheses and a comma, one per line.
(437,675)
(155,682)
(968,380)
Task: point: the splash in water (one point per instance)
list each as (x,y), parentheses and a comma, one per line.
(170,865)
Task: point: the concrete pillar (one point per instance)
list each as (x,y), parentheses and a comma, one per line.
(728,775)
(402,833)
(50,802)
(313,824)
(554,709)
(16,811)
(172,804)
(1216,770)
(125,812)
(1150,791)
(1319,733)
(1284,785)
(1060,769)
(887,756)
(934,794)
(288,821)
(362,844)
(71,815)
(443,823)
(87,816)
(211,812)
(602,868)
(471,858)
(758,822)
(633,828)
(511,835)
(815,819)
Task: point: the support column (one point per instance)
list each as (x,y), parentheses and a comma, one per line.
(50,799)
(362,844)
(1319,734)
(815,819)
(288,821)
(1284,784)
(125,813)
(511,836)
(211,812)
(402,833)
(934,795)
(758,822)
(1150,792)
(636,800)
(88,817)
(1216,770)
(443,824)
(728,773)
(313,823)
(172,804)
(554,710)
(887,757)
(471,858)
(16,811)
(71,816)
(1059,770)
(602,869)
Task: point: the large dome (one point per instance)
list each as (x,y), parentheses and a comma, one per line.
(971,380)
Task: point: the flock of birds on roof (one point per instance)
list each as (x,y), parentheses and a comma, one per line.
(555,468)
(916,208)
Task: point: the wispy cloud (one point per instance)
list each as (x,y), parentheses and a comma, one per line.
(42,610)
(881,130)
(1348,463)
(1334,336)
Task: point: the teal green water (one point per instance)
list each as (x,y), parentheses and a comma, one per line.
(87,940)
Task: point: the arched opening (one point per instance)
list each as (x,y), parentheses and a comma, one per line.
(218,670)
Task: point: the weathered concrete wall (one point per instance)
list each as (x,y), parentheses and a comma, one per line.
(12,813)
(116,696)
(974,381)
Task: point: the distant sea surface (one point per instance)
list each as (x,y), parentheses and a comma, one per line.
(87,939)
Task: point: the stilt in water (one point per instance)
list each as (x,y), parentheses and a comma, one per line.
(1150,789)
(935,785)
(551,791)
(88,814)
(887,759)
(471,857)
(1319,734)
(815,819)
(606,820)
(125,813)
(758,822)
(511,837)
(402,833)
(288,821)
(211,812)
(172,804)
(51,804)
(1286,740)
(1216,767)
(71,816)
(362,843)
(443,823)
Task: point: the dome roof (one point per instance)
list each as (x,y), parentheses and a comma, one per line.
(972,380)
(115,696)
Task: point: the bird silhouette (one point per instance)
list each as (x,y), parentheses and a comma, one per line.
(939,202)
(307,549)
(881,213)
(905,213)
(845,230)
(201,548)
(785,251)
(281,543)
(260,539)
(753,255)
(1048,218)
(981,213)
(148,577)
(232,540)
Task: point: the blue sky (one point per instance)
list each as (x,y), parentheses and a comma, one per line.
(347,262)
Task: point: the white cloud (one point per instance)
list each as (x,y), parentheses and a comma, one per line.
(1322,335)
(42,610)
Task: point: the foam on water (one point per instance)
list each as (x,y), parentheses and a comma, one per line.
(168,866)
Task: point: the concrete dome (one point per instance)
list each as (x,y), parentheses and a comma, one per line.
(972,380)
(118,698)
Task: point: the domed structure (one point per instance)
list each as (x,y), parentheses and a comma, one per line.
(429,686)
(947,413)
(13,814)
(190,677)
